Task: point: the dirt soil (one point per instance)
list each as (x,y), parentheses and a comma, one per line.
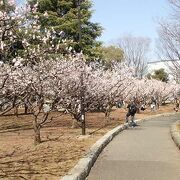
(62,145)
(178,127)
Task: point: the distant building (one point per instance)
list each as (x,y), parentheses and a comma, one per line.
(165,64)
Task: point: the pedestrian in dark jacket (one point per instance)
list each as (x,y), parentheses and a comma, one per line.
(132,109)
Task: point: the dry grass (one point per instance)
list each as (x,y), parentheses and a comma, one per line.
(178,127)
(62,146)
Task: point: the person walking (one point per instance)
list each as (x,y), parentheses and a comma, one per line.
(132,109)
(153,104)
(176,108)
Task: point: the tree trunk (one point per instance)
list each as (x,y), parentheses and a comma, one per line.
(16,111)
(37,136)
(107,116)
(25,109)
(83,124)
(108,113)
(138,110)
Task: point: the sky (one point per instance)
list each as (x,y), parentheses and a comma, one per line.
(123,17)
(135,17)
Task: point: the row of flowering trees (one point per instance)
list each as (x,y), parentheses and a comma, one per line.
(72,84)
(34,74)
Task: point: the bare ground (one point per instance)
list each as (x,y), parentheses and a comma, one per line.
(62,146)
(178,127)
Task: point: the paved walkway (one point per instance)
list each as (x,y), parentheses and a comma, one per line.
(144,153)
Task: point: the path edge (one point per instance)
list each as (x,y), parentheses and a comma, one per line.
(175,134)
(81,170)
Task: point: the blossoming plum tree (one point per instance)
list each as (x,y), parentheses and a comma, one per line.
(37,76)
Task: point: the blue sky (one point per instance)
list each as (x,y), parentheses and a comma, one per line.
(122,17)
(136,17)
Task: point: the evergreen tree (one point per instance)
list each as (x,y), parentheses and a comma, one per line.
(7,5)
(72,19)
(9,39)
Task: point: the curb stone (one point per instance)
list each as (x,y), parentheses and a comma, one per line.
(83,167)
(175,134)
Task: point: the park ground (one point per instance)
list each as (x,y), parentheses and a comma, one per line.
(178,127)
(62,145)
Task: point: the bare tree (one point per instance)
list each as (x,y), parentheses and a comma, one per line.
(169,38)
(169,34)
(135,52)
(175,4)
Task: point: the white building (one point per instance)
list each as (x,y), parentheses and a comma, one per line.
(167,65)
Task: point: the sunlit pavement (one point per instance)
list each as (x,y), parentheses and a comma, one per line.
(145,152)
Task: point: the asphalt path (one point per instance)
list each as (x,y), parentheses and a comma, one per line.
(146,152)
